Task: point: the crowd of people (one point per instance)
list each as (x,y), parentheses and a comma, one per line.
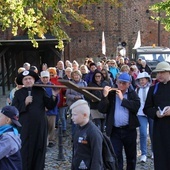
(129,100)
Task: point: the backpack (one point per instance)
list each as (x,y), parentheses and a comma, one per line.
(110,161)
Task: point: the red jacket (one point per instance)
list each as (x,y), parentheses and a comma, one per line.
(62,101)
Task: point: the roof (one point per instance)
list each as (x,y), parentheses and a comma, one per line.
(147,49)
(24,40)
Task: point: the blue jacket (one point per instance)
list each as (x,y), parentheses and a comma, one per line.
(10,157)
(54,111)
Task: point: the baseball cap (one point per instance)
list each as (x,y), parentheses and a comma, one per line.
(125,77)
(45,74)
(11,112)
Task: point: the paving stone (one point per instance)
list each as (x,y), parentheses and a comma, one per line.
(52,162)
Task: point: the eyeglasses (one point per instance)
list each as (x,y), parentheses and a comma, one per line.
(51,75)
(97,76)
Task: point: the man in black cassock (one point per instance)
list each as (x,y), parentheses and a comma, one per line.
(158,99)
(31,102)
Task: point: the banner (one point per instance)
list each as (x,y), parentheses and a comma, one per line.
(103,44)
(138,41)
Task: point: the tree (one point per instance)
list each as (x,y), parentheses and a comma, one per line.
(162,8)
(38,17)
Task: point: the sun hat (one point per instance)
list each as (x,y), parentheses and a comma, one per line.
(143,75)
(162,66)
(24,74)
(125,77)
(11,112)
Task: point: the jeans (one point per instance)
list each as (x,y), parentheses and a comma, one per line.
(125,138)
(144,120)
(62,115)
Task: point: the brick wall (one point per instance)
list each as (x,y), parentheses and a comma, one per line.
(119,24)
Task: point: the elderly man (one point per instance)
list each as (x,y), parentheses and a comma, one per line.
(157,107)
(31,102)
(121,107)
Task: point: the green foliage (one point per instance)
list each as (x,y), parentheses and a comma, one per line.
(162,13)
(38,17)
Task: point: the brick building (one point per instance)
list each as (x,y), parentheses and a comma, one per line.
(119,24)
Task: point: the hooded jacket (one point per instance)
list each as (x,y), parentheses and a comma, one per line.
(10,157)
(98,93)
(142,91)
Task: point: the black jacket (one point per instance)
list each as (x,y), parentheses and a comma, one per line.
(107,105)
(98,93)
(87,148)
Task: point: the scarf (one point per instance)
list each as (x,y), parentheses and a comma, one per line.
(6,128)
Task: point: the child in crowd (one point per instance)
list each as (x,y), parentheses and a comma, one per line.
(10,142)
(87,141)
(143,82)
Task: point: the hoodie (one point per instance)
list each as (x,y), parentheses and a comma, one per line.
(98,93)
(10,157)
(142,91)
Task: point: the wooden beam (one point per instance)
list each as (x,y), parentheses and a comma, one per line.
(71,85)
(63,86)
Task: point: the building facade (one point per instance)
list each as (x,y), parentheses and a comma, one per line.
(119,25)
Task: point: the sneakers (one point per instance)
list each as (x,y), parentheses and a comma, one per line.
(143,158)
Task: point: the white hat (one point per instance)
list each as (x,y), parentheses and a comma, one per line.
(162,66)
(45,74)
(143,75)
(79,103)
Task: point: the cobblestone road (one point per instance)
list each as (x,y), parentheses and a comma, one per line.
(52,162)
(52,155)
